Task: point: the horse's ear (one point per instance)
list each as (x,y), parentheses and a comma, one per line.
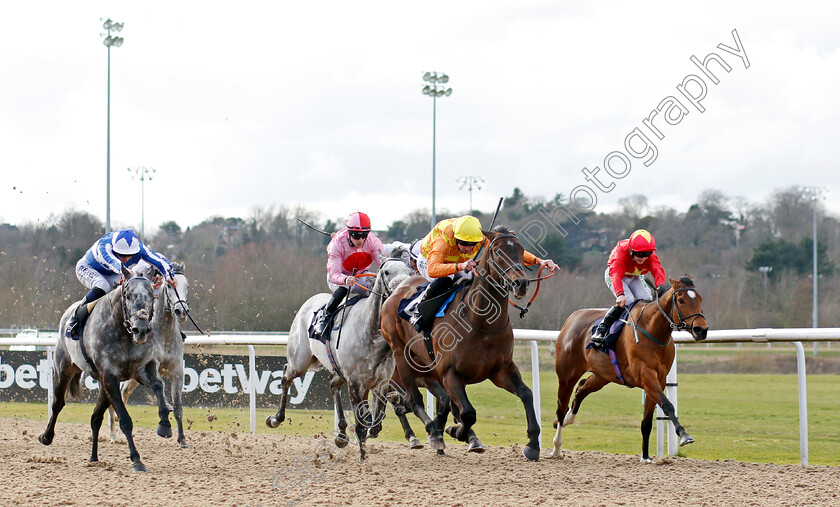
(125,272)
(672,280)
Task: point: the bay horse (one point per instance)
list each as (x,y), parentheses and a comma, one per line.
(472,342)
(171,310)
(362,359)
(644,353)
(117,344)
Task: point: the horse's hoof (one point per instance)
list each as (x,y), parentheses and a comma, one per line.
(44,439)
(556,453)
(93,460)
(686,439)
(272,422)
(341,440)
(139,467)
(440,452)
(415,443)
(531,454)
(476,446)
(183,445)
(164,431)
(437,444)
(645,460)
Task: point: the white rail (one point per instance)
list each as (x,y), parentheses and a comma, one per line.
(533,336)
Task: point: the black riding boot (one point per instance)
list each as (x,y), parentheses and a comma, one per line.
(435,289)
(603,328)
(76,324)
(336,299)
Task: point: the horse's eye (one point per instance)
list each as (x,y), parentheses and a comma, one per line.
(681,301)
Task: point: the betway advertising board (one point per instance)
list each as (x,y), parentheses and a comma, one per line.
(210,380)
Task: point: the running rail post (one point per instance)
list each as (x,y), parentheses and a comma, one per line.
(252,388)
(803,403)
(430,403)
(671,394)
(50,386)
(535,383)
(660,421)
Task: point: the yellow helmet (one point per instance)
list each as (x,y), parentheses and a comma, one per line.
(468,228)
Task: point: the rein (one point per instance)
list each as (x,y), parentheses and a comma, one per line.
(522,310)
(682,326)
(388,291)
(186,310)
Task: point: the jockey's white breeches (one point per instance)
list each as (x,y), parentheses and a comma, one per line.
(92,278)
(423,268)
(634,287)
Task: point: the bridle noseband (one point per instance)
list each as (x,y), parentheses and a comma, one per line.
(140,313)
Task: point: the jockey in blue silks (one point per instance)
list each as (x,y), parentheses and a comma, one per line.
(100,270)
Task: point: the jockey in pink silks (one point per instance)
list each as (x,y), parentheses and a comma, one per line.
(351,248)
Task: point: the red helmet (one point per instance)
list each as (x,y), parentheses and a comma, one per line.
(358,221)
(642,241)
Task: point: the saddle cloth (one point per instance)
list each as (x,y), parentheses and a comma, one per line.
(330,320)
(428,309)
(614,331)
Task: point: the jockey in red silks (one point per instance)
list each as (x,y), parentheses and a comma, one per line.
(629,261)
(351,248)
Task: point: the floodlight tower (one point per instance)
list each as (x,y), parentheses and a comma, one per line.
(109,41)
(434,92)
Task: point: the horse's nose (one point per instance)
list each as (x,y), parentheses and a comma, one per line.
(699,333)
(520,285)
(139,335)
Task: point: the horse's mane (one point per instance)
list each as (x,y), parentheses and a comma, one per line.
(687,281)
(503,229)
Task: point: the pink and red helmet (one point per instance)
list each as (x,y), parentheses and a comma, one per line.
(642,241)
(358,221)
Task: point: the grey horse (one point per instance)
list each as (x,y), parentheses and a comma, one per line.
(171,309)
(117,344)
(364,360)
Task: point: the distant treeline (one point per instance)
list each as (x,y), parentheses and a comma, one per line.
(252,274)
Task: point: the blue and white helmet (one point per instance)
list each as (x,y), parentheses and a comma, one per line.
(126,242)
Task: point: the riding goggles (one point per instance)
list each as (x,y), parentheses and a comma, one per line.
(359,234)
(642,255)
(466,243)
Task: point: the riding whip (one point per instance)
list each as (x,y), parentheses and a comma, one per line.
(325,233)
(496,214)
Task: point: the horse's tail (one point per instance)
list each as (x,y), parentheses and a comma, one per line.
(76,386)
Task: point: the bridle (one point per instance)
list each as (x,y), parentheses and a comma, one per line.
(508,284)
(140,313)
(683,325)
(177,301)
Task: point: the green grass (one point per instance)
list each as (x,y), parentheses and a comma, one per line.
(742,417)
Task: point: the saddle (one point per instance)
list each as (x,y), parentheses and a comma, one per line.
(331,324)
(429,309)
(614,331)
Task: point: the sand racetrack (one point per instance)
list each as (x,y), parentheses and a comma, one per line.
(230,469)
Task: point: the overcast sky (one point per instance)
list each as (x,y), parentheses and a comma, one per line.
(246,105)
